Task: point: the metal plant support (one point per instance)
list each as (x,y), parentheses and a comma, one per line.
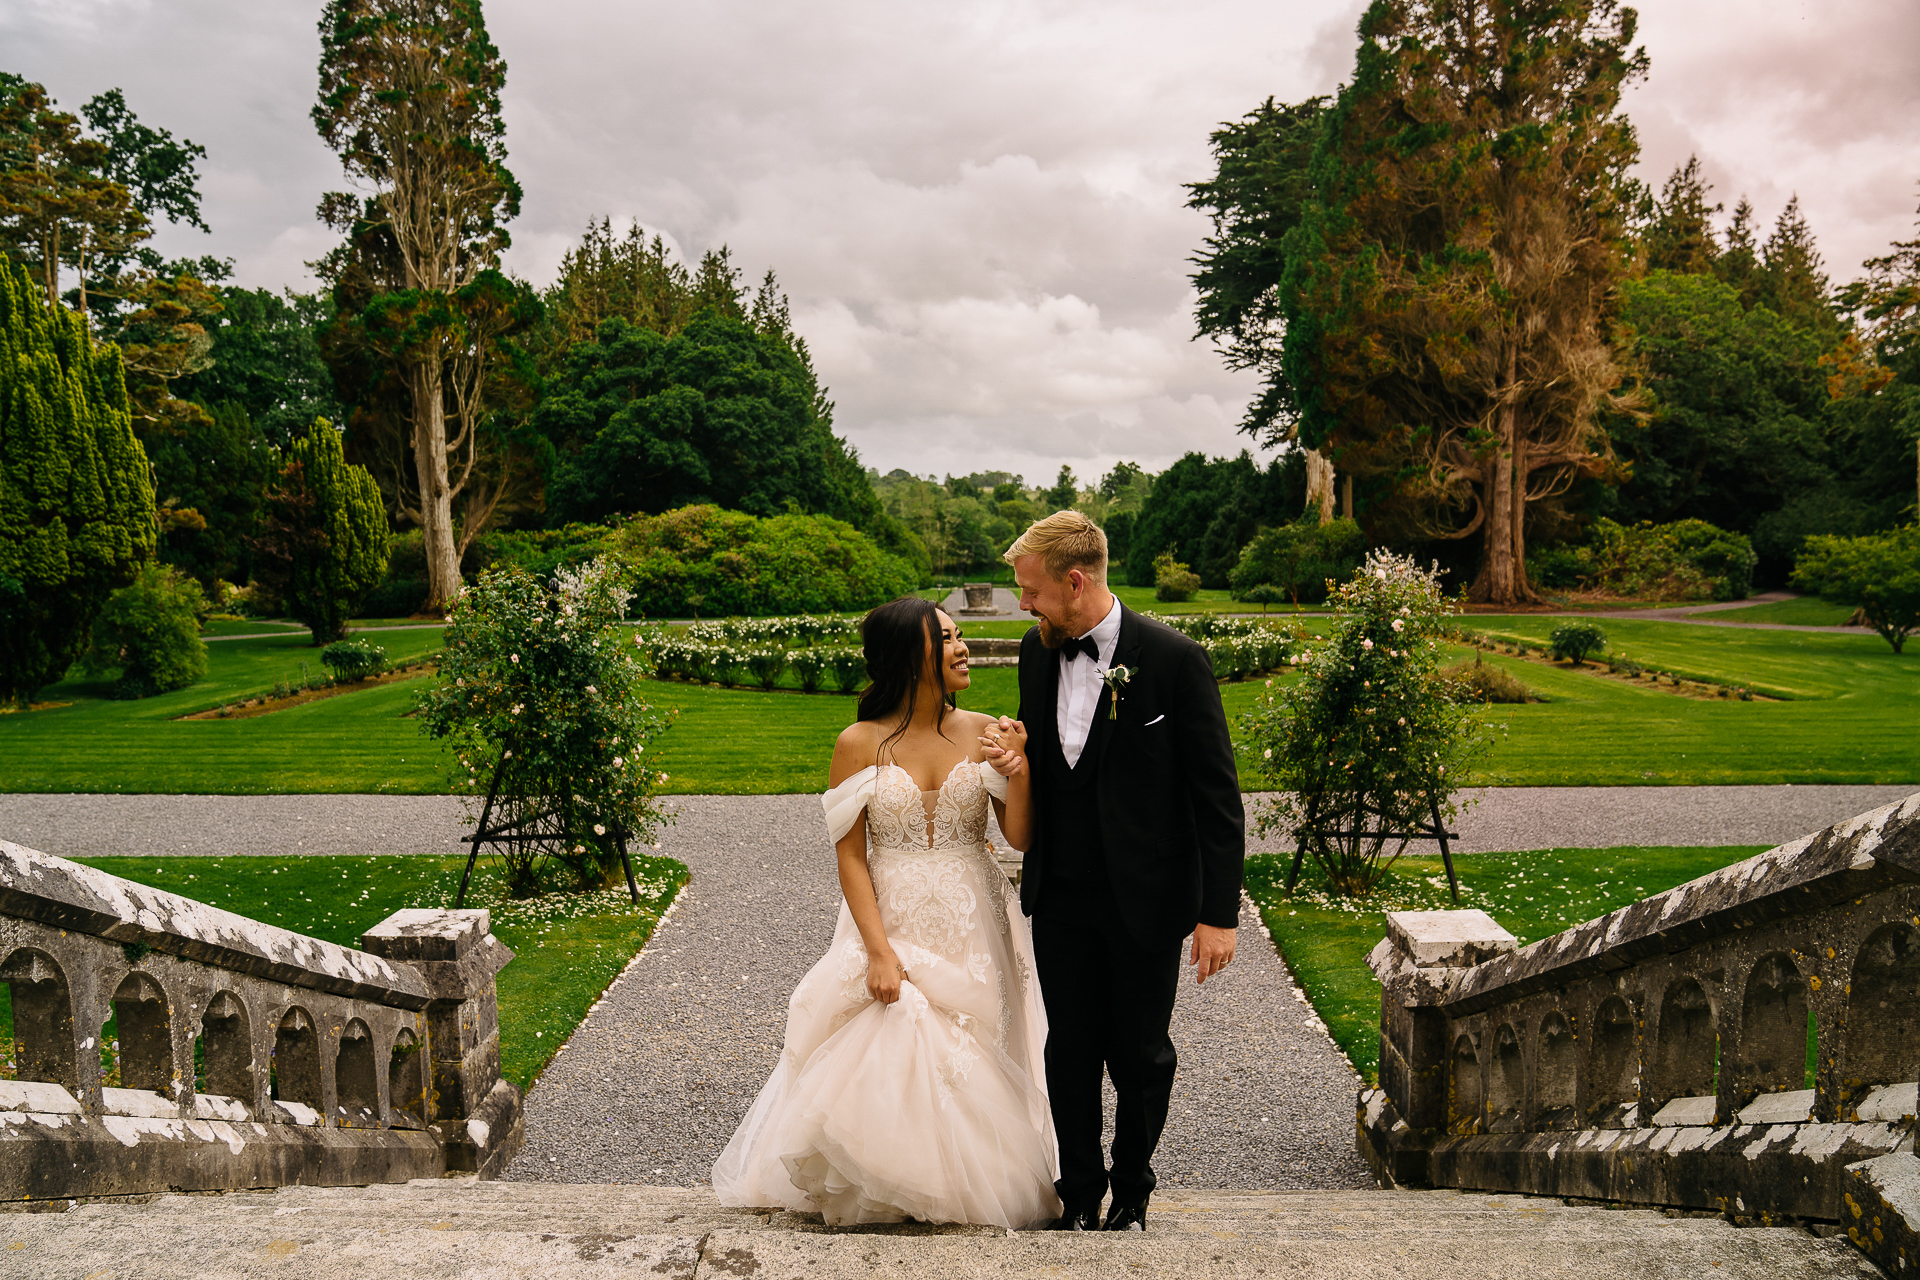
(540,832)
(1436,831)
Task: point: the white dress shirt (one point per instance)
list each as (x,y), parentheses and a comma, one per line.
(1080,686)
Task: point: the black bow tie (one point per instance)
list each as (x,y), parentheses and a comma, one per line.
(1079,645)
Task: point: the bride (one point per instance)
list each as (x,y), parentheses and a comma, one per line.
(911,1083)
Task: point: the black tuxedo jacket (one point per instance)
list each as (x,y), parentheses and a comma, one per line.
(1171,823)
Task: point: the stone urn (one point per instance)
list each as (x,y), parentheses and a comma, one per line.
(979,596)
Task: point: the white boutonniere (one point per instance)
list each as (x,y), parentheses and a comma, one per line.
(1115,678)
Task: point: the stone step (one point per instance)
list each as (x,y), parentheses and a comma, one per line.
(543,1231)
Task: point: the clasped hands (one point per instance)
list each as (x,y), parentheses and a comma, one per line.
(1005,746)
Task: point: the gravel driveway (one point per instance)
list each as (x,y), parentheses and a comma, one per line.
(657,1078)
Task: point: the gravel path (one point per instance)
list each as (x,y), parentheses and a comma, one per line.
(655,1081)
(82,826)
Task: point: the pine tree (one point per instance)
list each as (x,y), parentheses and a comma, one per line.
(1681,237)
(1739,263)
(76,504)
(1792,282)
(325,540)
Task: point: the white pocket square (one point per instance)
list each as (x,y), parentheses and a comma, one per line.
(1156,720)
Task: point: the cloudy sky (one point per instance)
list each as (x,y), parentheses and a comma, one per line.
(975,208)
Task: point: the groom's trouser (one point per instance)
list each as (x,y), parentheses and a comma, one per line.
(1109,1001)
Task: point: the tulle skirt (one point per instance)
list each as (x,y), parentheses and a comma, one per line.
(931,1108)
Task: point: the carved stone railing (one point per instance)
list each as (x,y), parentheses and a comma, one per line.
(248,1056)
(1659,1055)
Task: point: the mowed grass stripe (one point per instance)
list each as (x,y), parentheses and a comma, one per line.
(1850,720)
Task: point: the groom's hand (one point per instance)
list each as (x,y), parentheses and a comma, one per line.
(1212,950)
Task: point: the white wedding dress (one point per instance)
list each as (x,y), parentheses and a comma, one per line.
(932,1108)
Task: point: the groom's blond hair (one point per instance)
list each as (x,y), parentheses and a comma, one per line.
(1064,541)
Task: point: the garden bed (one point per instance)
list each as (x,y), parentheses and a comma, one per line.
(267,704)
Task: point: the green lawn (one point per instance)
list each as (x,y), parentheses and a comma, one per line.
(567,947)
(1806,611)
(1533,895)
(1849,704)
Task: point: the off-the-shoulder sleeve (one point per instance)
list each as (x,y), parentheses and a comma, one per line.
(995,784)
(846,802)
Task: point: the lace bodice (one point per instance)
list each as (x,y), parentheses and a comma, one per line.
(903,818)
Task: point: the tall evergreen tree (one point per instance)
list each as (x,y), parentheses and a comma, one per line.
(76,507)
(1261,184)
(410,100)
(1448,290)
(1792,281)
(1739,263)
(1681,238)
(324,543)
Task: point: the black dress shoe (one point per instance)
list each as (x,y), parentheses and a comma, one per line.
(1083,1220)
(1119,1219)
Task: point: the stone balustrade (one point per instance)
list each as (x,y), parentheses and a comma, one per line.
(1662,1055)
(247,1055)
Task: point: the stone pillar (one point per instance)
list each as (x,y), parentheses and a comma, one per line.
(476,1115)
(1417,962)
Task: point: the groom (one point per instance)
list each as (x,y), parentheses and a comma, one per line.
(1138,842)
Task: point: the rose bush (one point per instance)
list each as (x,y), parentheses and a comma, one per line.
(540,683)
(1372,735)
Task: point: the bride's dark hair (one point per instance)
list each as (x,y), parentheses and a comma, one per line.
(898,639)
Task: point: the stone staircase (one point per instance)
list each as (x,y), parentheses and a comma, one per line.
(457,1227)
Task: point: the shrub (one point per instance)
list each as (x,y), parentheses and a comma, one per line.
(849,667)
(1684,560)
(1299,559)
(1481,683)
(542,692)
(702,560)
(150,632)
(1173,581)
(1576,641)
(351,660)
(767,665)
(1373,737)
(809,664)
(1878,574)
(1264,594)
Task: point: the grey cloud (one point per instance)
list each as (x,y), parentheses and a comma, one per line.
(976,209)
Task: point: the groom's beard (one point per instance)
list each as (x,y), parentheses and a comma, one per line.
(1051,636)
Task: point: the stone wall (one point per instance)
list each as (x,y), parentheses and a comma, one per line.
(248,1056)
(1659,1055)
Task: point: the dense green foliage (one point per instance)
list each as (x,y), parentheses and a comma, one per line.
(716,413)
(702,561)
(76,507)
(324,545)
(266,360)
(149,631)
(1372,738)
(1299,560)
(1173,581)
(1879,575)
(1575,642)
(211,483)
(1684,560)
(353,659)
(1205,510)
(541,698)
